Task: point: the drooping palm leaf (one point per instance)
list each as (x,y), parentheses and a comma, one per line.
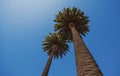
(55,39)
(71,15)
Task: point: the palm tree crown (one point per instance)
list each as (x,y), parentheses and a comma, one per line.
(54,43)
(71,15)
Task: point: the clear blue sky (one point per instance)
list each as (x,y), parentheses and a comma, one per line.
(24,23)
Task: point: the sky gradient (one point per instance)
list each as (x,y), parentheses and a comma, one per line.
(24,23)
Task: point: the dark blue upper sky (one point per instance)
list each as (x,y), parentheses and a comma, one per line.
(24,23)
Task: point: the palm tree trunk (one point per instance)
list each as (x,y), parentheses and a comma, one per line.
(85,63)
(47,67)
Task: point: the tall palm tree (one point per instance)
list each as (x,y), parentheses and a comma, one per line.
(55,47)
(71,23)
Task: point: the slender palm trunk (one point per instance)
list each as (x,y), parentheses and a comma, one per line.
(47,67)
(85,63)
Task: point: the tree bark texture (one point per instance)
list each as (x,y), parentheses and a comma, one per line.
(85,63)
(47,67)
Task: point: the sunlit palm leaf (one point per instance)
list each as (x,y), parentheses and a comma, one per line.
(68,15)
(55,39)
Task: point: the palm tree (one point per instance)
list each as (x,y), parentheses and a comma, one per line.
(55,47)
(71,23)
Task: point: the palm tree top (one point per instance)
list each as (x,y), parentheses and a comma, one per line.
(54,43)
(71,15)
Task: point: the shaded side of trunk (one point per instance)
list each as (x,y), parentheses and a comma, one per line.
(85,63)
(47,67)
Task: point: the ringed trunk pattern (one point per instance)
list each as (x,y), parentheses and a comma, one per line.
(47,67)
(85,63)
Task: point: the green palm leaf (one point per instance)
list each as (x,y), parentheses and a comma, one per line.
(71,15)
(54,39)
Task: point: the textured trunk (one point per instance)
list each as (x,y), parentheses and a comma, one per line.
(47,67)
(86,65)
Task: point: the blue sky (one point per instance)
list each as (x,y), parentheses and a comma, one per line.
(24,23)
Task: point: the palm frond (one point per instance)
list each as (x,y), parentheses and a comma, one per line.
(55,39)
(68,15)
